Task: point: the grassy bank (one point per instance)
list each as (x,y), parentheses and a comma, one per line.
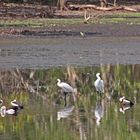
(128,18)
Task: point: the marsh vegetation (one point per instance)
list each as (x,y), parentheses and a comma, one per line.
(42,100)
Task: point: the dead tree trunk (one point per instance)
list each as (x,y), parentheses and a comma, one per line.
(61,4)
(115,2)
(103,3)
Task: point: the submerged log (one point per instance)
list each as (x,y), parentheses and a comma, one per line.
(131,9)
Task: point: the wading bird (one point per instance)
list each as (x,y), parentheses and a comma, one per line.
(82,34)
(99,84)
(15,105)
(125,102)
(9,111)
(66,88)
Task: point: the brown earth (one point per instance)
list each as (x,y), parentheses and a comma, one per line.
(95,30)
(89,30)
(79,45)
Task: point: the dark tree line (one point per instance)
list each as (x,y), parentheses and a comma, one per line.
(62,3)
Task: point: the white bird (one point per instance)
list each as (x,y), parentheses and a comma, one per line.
(9,111)
(82,34)
(16,105)
(66,88)
(125,102)
(99,84)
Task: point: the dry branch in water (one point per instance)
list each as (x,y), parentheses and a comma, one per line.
(86,19)
(90,15)
(88,6)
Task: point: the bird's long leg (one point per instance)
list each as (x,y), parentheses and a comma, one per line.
(99,95)
(65,98)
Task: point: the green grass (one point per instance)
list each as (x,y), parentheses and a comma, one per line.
(120,20)
(128,18)
(43,22)
(128,14)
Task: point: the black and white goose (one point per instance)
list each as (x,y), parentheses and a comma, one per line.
(125,102)
(16,105)
(10,111)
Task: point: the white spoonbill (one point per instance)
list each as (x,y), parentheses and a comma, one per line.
(66,88)
(99,84)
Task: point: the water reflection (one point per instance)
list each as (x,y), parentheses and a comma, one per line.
(124,108)
(65,112)
(99,111)
(39,114)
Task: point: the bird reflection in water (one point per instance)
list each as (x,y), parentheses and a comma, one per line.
(65,112)
(99,111)
(124,108)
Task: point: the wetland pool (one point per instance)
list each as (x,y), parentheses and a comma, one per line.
(30,67)
(45,117)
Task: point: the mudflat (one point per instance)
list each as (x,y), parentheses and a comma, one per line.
(62,50)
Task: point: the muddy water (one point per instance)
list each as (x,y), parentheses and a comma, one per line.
(44,52)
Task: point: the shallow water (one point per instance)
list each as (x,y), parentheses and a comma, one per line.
(45,117)
(45,52)
(29,68)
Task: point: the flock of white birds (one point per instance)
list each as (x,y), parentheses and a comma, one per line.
(99,86)
(66,88)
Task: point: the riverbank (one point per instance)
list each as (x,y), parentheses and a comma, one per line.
(51,42)
(72,23)
(87,30)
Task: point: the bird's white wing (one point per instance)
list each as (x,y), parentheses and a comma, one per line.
(66,87)
(96,84)
(101,86)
